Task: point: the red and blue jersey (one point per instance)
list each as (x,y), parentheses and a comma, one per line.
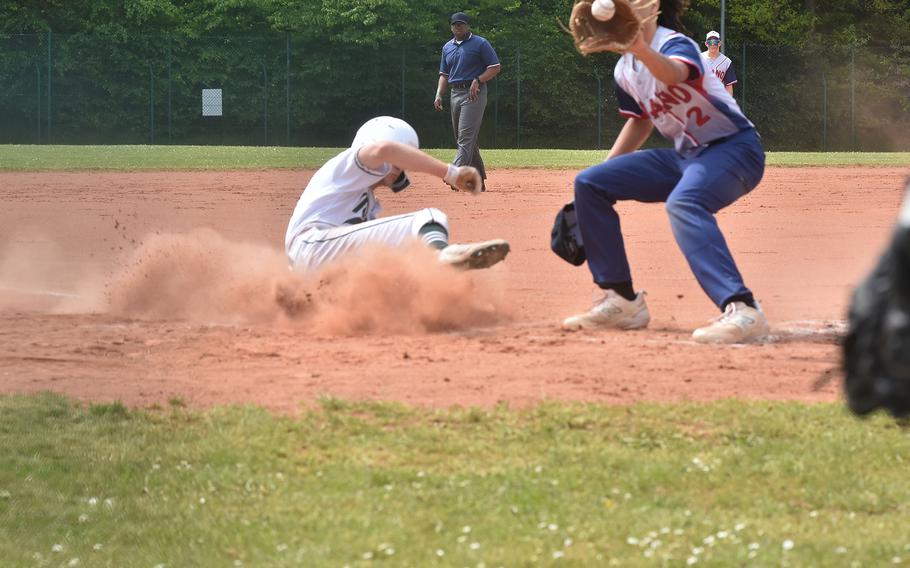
(693,113)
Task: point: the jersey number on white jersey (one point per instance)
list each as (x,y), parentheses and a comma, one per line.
(361,210)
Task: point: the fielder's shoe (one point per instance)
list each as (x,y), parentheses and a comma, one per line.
(738,324)
(613,312)
(471,256)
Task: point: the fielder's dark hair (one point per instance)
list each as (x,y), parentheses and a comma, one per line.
(671,12)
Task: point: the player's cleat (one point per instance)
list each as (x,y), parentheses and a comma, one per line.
(612,311)
(471,256)
(738,324)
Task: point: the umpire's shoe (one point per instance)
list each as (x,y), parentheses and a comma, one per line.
(612,312)
(739,323)
(474,255)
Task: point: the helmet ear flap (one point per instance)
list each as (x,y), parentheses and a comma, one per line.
(401,182)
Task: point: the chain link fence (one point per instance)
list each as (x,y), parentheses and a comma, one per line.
(286,90)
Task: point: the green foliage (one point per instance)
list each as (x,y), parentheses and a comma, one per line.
(306,73)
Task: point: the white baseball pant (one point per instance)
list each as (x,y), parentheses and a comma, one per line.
(316,247)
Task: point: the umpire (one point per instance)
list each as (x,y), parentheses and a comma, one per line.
(468,63)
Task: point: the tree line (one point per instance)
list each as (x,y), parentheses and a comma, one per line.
(302,71)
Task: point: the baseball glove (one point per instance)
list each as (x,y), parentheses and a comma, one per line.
(876,348)
(565,237)
(616,34)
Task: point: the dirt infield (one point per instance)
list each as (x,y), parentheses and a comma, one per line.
(142,287)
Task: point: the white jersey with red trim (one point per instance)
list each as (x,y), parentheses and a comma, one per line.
(722,66)
(693,113)
(339,193)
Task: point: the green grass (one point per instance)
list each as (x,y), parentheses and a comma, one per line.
(358,484)
(37,158)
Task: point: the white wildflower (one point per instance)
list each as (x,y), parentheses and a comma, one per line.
(440,552)
(787,545)
(474,545)
(558,554)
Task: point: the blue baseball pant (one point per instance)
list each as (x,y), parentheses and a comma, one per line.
(694,189)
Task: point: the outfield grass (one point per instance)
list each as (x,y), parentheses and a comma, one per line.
(36,158)
(723,484)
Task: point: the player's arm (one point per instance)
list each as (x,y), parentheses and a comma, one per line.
(408,158)
(402,156)
(441,87)
(633,134)
(667,71)
(729,89)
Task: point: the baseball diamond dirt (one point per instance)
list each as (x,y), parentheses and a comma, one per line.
(145,286)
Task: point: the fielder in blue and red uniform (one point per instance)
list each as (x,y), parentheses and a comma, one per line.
(717,62)
(717,158)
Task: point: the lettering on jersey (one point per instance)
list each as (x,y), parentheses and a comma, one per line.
(675,95)
(361,210)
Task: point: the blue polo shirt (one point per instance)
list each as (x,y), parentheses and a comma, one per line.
(465,61)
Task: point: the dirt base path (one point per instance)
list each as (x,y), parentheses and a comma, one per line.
(72,322)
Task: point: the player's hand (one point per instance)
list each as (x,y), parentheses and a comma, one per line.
(638,45)
(464,178)
(474,90)
(437,104)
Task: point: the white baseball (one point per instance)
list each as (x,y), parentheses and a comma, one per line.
(603,9)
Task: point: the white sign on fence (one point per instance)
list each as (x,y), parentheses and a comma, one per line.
(211,102)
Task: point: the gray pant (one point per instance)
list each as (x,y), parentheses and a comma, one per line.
(466,118)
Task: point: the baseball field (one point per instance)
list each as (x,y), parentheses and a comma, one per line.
(172,396)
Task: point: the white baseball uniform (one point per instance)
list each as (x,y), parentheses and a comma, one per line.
(337,213)
(721,66)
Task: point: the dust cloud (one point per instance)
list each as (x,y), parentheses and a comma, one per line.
(202,277)
(37,275)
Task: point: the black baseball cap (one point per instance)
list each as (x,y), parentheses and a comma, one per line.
(459,17)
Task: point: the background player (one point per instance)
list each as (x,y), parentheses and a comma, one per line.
(338,209)
(717,158)
(717,62)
